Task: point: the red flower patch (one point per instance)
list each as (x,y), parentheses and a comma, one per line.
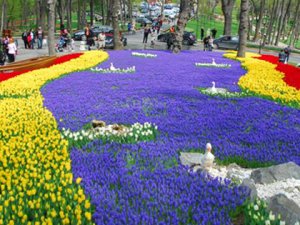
(59,60)
(292,73)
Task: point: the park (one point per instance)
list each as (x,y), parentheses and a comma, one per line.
(121,130)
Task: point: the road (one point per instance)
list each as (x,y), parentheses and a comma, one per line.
(134,42)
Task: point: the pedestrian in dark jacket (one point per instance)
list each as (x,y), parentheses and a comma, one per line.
(147,31)
(287,51)
(24,38)
(205,43)
(202,33)
(282,56)
(89,36)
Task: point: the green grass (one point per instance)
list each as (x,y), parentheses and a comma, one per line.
(210,23)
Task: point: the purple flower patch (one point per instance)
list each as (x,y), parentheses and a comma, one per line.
(143,183)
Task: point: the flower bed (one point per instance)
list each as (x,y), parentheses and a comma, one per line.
(263,79)
(132,183)
(291,73)
(59,60)
(35,167)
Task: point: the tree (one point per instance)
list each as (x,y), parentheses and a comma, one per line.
(115,5)
(227,7)
(243,28)
(51,26)
(92,12)
(282,22)
(69,15)
(259,20)
(184,15)
(3,15)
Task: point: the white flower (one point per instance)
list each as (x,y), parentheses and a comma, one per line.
(297,223)
(130,134)
(267,222)
(282,222)
(271,216)
(256,207)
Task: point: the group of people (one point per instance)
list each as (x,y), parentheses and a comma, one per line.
(284,54)
(8,49)
(91,39)
(147,32)
(30,37)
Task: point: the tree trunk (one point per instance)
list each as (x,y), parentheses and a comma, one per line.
(216,2)
(69,15)
(115,9)
(3,16)
(243,28)
(129,5)
(108,11)
(259,21)
(295,25)
(281,17)
(92,12)
(184,15)
(79,22)
(281,28)
(271,22)
(59,10)
(227,7)
(51,27)
(277,19)
(102,11)
(3,8)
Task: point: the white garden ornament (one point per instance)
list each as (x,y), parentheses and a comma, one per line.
(213,90)
(213,64)
(113,69)
(145,55)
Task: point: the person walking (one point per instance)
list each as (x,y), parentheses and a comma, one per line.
(287,51)
(12,50)
(210,43)
(147,31)
(24,38)
(172,29)
(214,33)
(40,36)
(89,36)
(153,38)
(202,33)
(282,56)
(101,40)
(31,34)
(205,43)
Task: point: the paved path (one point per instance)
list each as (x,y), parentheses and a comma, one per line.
(134,42)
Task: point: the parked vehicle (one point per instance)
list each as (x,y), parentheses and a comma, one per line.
(143,20)
(189,38)
(227,42)
(96,30)
(108,31)
(109,40)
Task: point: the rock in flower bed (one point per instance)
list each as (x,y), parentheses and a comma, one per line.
(144,55)
(131,183)
(112,133)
